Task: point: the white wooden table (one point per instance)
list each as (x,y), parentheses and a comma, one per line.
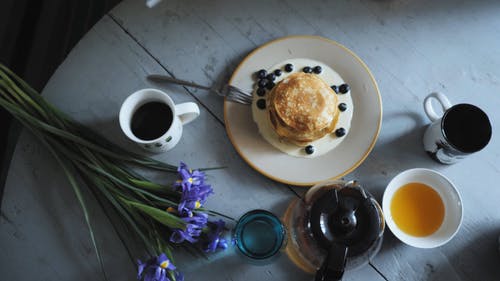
(412,48)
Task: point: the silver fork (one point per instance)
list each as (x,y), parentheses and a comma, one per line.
(230,92)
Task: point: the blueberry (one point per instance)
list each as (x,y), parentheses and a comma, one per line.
(342,106)
(317,69)
(340,132)
(278,72)
(344,88)
(335,89)
(261,92)
(288,67)
(271,77)
(261,103)
(262,83)
(270,85)
(309,149)
(261,73)
(307,69)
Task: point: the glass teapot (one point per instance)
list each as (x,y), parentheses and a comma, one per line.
(337,226)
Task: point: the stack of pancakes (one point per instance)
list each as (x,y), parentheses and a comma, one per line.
(302,108)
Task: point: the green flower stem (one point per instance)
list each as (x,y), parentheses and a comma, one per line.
(125,184)
(105,206)
(160,216)
(148,185)
(154,187)
(26,92)
(171,275)
(122,175)
(19,95)
(69,136)
(77,191)
(80,164)
(121,209)
(14,98)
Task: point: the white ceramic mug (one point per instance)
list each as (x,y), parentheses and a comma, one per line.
(181,114)
(462,130)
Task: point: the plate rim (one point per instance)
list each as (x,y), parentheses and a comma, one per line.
(345,172)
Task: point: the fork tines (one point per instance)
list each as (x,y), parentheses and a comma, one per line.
(237,95)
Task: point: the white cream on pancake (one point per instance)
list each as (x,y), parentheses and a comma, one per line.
(321,146)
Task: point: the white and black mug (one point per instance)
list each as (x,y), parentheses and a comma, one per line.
(463,129)
(150,118)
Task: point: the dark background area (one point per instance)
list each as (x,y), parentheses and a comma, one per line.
(35,37)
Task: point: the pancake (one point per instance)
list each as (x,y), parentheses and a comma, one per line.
(302,108)
(263,111)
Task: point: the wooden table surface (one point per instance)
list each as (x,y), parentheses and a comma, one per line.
(412,48)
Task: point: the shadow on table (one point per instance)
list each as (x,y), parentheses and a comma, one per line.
(482,261)
(391,156)
(478,259)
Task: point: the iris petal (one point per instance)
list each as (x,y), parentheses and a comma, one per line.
(161,258)
(158,273)
(214,239)
(140,268)
(179,276)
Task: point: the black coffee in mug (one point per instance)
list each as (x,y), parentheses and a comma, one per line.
(466,127)
(463,129)
(151,120)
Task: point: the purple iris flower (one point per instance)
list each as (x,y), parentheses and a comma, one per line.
(188,177)
(193,188)
(194,227)
(215,241)
(156,269)
(193,198)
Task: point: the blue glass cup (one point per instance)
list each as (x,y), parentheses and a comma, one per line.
(259,235)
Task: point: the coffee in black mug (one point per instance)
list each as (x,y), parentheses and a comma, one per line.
(462,130)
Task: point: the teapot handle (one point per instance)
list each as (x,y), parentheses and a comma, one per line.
(333,266)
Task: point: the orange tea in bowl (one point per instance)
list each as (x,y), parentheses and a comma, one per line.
(422,208)
(417,209)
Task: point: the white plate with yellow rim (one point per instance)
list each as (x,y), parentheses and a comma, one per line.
(365,123)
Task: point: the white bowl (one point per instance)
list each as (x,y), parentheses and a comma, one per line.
(452,205)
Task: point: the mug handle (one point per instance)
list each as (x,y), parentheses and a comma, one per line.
(187,112)
(429,109)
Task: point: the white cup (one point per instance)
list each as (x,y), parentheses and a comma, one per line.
(452,207)
(181,114)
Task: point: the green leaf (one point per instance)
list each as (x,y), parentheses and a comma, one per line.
(19,95)
(125,184)
(103,202)
(22,115)
(147,184)
(171,275)
(160,216)
(155,187)
(119,208)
